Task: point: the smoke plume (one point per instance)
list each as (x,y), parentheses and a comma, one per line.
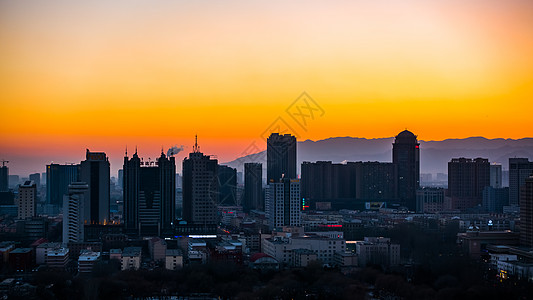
(174,150)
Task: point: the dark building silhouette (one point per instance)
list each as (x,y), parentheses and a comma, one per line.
(376,181)
(149,195)
(323,180)
(200,188)
(466,180)
(36,177)
(348,185)
(4,179)
(494,199)
(58,178)
(519,170)
(227,188)
(281,157)
(526,213)
(95,171)
(406,155)
(253,187)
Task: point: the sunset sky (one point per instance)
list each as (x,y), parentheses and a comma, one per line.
(108,74)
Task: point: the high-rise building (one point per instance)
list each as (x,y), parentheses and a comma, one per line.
(4,179)
(121,178)
(227,179)
(283,205)
(75,214)
(466,180)
(430,200)
(406,155)
(36,177)
(519,170)
(58,178)
(496,176)
(200,188)
(149,195)
(95,171)
(253,187)
(377,181)
(526,212)
(27,200)
(494,199)
(281,157)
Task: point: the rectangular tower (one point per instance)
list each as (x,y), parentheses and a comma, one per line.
(519,170)
(283,205)
(95,171)
(253,187)
(27,200)
(281,157)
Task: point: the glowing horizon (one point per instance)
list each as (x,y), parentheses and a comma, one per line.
(103,76)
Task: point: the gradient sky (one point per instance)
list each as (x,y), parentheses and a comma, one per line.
(109,74)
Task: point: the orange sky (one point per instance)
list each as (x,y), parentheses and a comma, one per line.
(106,74)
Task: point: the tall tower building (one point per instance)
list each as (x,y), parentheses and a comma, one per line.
(526,212)
(149,195)
(95,171)
(36,177)
(227,188)
(496,176)
(58,178)
(283,205)
(281,157)
(27,200)
(4,179)
(74,213)
(253,187)
(519,170)
(406,155)
(466,180)
(200,188)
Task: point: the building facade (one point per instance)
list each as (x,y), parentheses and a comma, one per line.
(466,180)
(95,171)
(519,170)
(281,157)
(526,212)
(75,213)
(200,188)
(58,178)
(27,200)
(406,155)
(253,187)
(283,204)
(149,195)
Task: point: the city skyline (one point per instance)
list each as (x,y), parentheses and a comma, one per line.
(374,68)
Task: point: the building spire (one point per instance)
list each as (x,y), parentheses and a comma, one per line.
(126,154)
(196,148)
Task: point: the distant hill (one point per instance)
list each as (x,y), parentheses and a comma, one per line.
(434,155)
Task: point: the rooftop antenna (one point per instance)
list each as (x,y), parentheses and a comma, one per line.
(196,149)
(4,162)
(126,150)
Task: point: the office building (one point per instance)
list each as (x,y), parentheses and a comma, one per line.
(526,213)
(466,180)
(200,188)
(227,186)
(149,195)
(58,178)
(406,155)
(377,251)
(430,200)
(253,187)
(496,176)
(519,170)
(283,204)
(36,177)
(377,181)
(494,199)
(95,171)
(75,212)
(281,157)
(4,179)
(27,200)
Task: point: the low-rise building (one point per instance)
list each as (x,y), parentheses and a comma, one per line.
(42,251)
(86,260)
(302,257)
(377,250)
(158,248)
(57,258)
(173,259)
(21,260)
(131,258)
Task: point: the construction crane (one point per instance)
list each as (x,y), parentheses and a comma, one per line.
(4,162)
